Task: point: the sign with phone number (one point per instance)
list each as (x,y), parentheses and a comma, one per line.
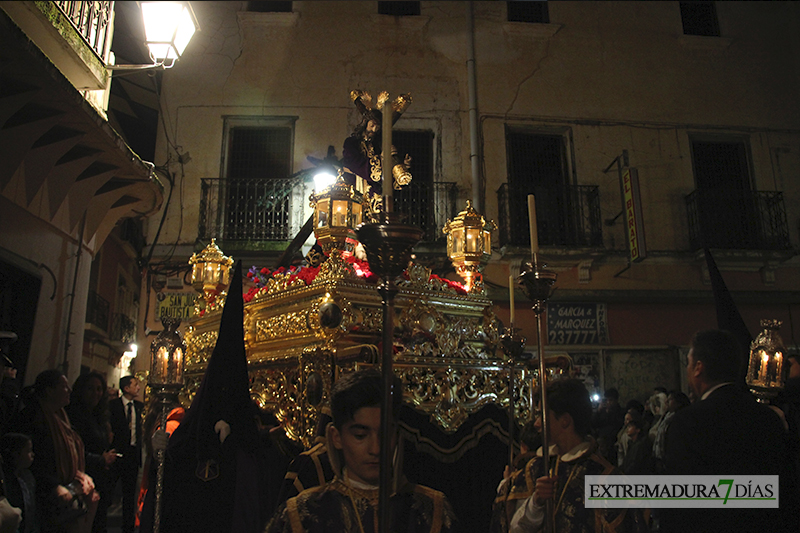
(577,323)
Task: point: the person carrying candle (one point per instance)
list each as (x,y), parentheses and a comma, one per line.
(575,456)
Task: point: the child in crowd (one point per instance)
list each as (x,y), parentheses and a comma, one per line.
(17,453)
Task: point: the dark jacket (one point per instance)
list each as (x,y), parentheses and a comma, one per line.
(122,435)
(728,433)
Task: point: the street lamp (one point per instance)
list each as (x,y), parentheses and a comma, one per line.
(168,28)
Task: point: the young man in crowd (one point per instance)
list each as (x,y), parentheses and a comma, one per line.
(126,424)
(349,503)
(575,457)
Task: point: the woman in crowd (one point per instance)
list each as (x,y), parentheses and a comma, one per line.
(65,494)
(88,412)
(675,402)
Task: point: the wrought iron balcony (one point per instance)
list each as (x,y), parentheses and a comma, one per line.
(570,219)
(123,328)
(252,210)
(91,20)
(735,220)
(428,207)
(260,210)
(97,311)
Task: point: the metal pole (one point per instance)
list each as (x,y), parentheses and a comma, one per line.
(511,387)
(538,284)
(549,525)
(160,468)
(388,292)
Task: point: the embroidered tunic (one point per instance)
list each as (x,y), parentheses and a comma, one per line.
(340,508)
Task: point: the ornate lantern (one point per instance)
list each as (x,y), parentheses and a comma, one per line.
(765,371)
(210,271)
(337,212)
(166,357)
(165,381)
(469,246)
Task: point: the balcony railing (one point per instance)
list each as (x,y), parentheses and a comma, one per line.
(91,20)
(570,219)
(123,328)
(258,210)
(737,221)
(252,209)
(97,311)
(426,207)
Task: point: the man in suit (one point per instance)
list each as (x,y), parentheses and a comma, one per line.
(126,424)
(725,432)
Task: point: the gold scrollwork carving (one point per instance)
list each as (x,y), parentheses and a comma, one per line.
(335,269)
(281,326)
(199,346)
(449,395)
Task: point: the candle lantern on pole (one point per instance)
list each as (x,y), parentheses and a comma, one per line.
(537,282)
(165,381)
(337,212)
(469,246)
(766,368)
(388,244)
(210,273)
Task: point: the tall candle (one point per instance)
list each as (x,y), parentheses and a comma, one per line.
(386,145)
(532,224)
(511,298)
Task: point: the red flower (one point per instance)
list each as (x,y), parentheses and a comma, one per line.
(265,271)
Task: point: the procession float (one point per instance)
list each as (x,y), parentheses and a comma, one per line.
(467,383)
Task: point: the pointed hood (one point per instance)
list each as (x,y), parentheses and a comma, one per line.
(728,317)
(224,393)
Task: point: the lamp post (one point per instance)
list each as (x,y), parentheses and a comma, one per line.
(210,273)
(469,246)
(168,28)
(765,369)
(165,381)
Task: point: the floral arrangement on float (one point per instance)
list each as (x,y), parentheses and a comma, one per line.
(260,277)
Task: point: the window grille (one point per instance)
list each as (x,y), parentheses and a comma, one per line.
(267,6)
(398,8)
(699,18)
(530,11)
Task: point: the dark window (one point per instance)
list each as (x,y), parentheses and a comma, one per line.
(398,9)
(416,199)
(264,6)
(699,18)
(530,11)
(724,194)
(257,171)
(536,165)
(724,210)
(259,152)
(566,215)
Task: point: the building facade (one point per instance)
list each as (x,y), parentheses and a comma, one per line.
(67,178)
(568,100)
